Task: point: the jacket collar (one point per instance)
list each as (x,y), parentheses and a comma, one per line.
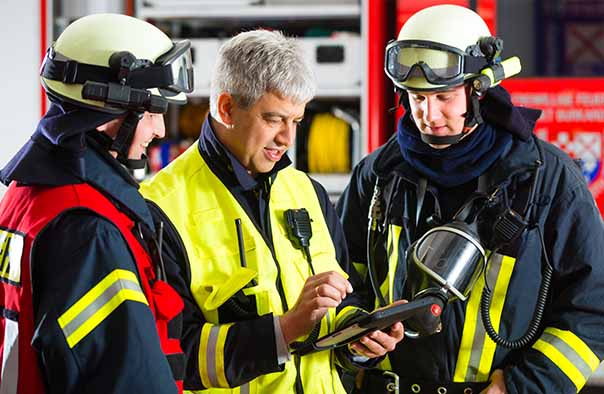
(113,180)
(520,158)
(226,166)
(54,158)
(498,110)
(53,154)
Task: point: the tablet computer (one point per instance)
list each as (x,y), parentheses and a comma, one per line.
(377,320)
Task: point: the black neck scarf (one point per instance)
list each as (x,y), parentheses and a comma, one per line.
(457,164)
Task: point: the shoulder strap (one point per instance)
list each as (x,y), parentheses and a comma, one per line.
(94,200)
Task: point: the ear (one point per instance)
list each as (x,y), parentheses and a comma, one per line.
(225,105)
(112,127)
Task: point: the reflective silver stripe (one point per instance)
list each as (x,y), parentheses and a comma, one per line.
(244,389)
(568,352)
(10,358)
(211,355)
(98,303)
(480,333)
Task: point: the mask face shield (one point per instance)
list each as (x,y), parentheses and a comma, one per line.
(449,259)
(438,64)
(443,264)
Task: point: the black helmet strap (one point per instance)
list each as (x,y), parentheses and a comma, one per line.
(123,140)
(473,116)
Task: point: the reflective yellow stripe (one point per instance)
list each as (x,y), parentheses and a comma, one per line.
(202,360)
(569,353)
(577,345)
(496,311)
(475,357)
(387,287)
(211,355)
(98,303)
(561,362)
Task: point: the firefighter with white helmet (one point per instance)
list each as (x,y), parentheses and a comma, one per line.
(87,307)
(472,209)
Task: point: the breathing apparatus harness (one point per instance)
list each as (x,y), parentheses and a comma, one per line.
(124,85)
(482,58)
(447,260)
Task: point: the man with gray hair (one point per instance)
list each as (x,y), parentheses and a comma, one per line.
(255,285)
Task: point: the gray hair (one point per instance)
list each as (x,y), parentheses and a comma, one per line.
(260,61)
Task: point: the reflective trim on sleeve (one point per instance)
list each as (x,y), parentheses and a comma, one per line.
(10,358)
(475,357)
(211,355)
(98,303)
(569,353)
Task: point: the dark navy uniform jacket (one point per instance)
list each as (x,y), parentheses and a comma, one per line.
(122,353)
(570,341)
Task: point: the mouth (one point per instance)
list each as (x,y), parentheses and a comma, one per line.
(274,154)
(146,144)
(437,130)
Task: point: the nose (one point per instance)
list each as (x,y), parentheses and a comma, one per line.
(287,134)
(431,109)
(159,127)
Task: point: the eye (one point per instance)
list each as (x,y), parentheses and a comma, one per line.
(272,120)
(417,98)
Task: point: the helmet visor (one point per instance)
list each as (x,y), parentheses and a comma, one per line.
(439,64)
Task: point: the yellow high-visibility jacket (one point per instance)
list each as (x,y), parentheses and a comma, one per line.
(230,342)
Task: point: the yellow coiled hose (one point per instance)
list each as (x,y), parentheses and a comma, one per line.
(328,145)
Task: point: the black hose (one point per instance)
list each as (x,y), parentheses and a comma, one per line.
(238,310)
(302,347)
(533,329)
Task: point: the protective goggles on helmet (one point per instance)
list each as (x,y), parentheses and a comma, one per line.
(176,68)
(171,73)
(439,64)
